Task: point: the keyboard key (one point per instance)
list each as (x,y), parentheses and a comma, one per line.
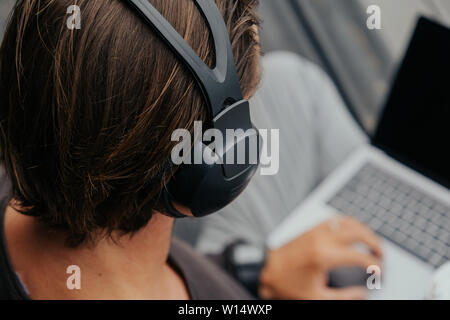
(436,259)
(375,224)
(412,244)
(424,251)
(432,228)
(399,237)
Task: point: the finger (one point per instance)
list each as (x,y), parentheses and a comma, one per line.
(353,231)
(349,257)
(350,293)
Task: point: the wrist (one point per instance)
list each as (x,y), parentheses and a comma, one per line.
(266,279)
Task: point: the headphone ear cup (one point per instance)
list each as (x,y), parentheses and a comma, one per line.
(183,185)
(204,187)
(215,192)
(218,188)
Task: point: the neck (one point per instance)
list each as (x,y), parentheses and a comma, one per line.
(133,267)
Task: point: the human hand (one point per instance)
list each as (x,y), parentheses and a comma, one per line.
(299,269)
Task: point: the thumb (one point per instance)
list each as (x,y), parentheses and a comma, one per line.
(349,293)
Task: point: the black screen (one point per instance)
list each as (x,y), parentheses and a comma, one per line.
(415,125)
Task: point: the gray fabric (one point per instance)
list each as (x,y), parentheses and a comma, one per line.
(316,135)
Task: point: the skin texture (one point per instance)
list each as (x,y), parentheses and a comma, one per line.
(132,268)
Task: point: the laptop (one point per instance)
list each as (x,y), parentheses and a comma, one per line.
(399,184)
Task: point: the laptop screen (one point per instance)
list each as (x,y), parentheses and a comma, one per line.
(415,125)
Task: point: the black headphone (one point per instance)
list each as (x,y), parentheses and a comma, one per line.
(206,188)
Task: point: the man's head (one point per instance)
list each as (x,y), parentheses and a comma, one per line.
(87,115)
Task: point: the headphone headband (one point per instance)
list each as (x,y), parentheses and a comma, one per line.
(218,85)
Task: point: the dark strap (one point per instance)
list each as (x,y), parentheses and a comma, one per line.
(218,85)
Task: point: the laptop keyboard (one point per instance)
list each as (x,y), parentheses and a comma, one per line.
(399,212)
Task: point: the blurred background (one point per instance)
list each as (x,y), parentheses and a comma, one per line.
(333,34)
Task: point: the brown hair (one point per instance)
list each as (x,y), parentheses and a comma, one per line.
(86,115)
